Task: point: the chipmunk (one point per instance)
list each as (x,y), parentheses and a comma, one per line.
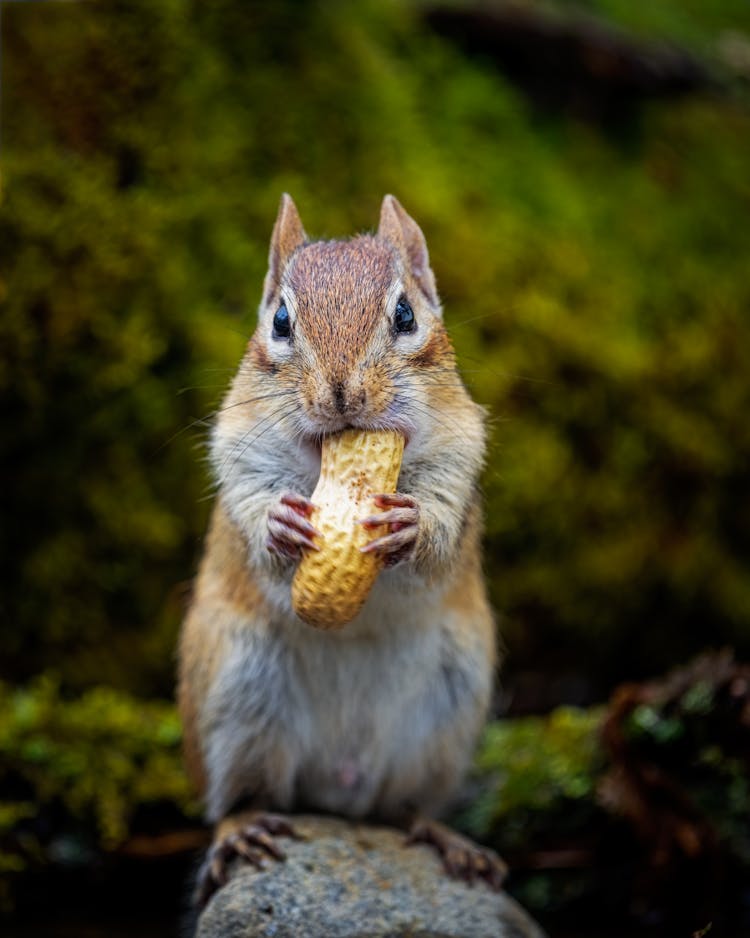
(378,719)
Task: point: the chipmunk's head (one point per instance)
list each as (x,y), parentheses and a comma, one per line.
(353,326)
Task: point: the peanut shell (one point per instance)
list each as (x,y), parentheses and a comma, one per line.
(331,584)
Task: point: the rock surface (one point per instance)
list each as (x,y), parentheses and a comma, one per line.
(348,880)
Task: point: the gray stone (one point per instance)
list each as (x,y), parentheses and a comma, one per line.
(358,881)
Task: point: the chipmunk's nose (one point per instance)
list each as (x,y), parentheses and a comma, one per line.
(339,396)
(348,396)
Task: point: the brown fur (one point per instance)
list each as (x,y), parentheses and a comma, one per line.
(340,289)
(288,236)
(222,582)
(406,235)
(435,352)
(259,357)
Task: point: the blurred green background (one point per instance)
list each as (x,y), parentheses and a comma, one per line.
(588,225)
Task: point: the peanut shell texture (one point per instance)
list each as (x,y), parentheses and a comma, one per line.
(331,584)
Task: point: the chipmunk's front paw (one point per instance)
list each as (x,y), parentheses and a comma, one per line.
(402,516)
(253,842)
(288,527)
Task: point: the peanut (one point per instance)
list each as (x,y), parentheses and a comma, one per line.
(331,584)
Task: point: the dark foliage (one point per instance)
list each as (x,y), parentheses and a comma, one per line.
(597,290)
(640,807)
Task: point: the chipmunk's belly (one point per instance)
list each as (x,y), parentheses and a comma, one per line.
(346,785)
(363,732)
(346,769)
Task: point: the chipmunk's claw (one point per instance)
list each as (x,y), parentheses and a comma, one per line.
(288,528)
(402,517)
(462,858)
(253,842)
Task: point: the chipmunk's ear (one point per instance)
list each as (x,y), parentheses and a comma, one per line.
(398,227)
(288,235)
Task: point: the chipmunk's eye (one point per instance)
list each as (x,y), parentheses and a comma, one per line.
(282,327)
(403,317)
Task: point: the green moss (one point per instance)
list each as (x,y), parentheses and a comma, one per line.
(92,763)
(535,773)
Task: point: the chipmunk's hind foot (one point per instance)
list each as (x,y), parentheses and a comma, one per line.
(462,858)
(250,837)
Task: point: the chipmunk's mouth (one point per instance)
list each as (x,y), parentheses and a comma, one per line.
(311,443)
(316,438)
(318,419)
